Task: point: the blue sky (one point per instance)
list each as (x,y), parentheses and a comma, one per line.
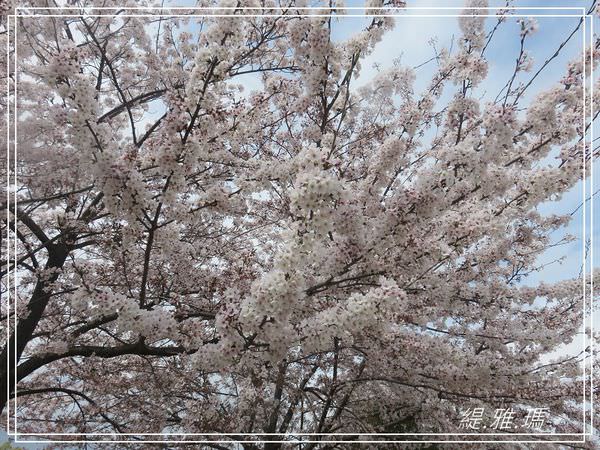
(410,41)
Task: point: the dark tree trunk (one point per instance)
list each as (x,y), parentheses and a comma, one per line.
(12,351)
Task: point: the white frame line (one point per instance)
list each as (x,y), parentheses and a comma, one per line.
(8,177)
(583,16)
(16,76)
(591,318)
(583,240)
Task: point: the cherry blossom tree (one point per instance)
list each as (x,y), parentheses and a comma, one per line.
(194,255)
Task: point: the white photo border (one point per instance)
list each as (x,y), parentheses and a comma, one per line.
(379,12)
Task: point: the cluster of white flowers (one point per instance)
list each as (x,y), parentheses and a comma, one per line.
(152,324)
(357,313)
(556,114)
(211,357)
(78,92)
(472,23)
(97,302)
(217,198)
(271,295)
(316,189)
(313,196)
(461,109)
(392,158)
(318,40)
(574,74)
(123,185)
(297,33)
(500,123)
(525,62)
(364,41)
(528,26)
(168,240)
(468,65)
